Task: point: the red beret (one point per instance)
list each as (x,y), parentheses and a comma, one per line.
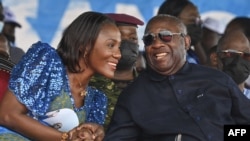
(125,19)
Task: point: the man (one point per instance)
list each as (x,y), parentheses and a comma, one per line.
(10,25)
(234,55)
(126,70)
(240,23)
(173,99)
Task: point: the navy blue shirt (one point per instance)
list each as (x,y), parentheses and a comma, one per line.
(195,102)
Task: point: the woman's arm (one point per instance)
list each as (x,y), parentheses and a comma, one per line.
(13,115)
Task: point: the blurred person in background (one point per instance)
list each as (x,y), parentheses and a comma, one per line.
(234,55)
(240,23)
(9,30)
(190,16)
(212,29)
(1,16)
(212,60)
(6,65)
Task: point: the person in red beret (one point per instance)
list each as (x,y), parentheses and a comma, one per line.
(126,70)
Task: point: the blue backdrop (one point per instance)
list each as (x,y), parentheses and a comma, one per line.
(45,19)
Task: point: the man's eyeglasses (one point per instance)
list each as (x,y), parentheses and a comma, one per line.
(230,53)
(165,36)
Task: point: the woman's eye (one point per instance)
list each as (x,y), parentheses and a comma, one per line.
(111,45)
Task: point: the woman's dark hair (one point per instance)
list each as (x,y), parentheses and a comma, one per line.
(79,38)
(173,7)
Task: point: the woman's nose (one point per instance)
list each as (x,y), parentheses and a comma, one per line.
(117,54)
(157,42)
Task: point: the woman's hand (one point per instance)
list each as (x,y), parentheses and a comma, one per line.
(87,132)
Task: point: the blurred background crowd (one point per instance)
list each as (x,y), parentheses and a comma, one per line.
(45,19)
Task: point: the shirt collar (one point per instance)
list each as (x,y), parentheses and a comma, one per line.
(159,77)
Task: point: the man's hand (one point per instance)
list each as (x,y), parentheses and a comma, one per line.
(87,132)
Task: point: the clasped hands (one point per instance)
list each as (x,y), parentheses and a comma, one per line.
(87,132)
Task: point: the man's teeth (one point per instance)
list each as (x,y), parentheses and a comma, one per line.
(160,55)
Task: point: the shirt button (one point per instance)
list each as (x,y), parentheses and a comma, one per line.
(198,118)
(179,92)
(209,137)
(189,107)
(171,77)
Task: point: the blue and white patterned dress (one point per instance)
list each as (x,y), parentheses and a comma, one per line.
(40,82)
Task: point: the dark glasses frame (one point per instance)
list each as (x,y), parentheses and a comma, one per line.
(231,53)
(164,35)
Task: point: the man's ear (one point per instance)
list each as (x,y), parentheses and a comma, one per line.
(187,42)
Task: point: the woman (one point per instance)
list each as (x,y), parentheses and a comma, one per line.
(126,70)
(48,84)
